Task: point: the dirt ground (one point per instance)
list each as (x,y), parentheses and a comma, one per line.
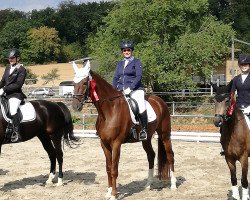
(200,170)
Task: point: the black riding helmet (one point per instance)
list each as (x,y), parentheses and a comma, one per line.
(244,59)
(127,44)
(13,53)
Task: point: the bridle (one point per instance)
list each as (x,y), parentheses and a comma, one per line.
(85,96)
(220,98)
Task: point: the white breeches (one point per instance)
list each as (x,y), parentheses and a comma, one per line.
(138,95)
(14,103)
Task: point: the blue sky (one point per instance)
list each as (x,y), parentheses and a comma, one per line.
(28,5)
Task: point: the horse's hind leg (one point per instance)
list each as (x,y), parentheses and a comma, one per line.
(48,146)
(166,158)
(232,167)
(244,181)
(59,155)
(147,146)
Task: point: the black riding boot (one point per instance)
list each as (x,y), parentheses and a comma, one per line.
(144,123)
(16,137)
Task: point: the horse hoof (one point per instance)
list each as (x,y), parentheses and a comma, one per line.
(148,186)
(60,182)
(112,198)
(173,187)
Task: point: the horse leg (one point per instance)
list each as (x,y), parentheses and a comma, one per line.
(244,181)
(59,155)
(232,167)
(48,146)
(108,155)
(166,159)
(147,146)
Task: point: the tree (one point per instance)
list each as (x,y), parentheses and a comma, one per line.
(174,40)
(14,34)
(43,45)
(31,78)
(51,76)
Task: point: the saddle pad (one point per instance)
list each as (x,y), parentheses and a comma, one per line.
(247,120)
(27,110)
(150,113)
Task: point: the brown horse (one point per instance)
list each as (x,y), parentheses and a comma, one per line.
(52,124)
(114,123)
(235,138)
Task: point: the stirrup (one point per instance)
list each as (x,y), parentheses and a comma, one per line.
(143,135)
(16,137)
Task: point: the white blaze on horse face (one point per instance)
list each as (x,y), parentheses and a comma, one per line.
(81,73)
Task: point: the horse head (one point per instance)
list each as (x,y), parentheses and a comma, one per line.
(222,100)
(81,86)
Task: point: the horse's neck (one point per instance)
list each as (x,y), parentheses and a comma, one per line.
(104,90)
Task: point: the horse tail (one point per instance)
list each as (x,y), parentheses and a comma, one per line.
(163,163)
(68,134)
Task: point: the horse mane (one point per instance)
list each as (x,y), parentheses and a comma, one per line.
(105,84)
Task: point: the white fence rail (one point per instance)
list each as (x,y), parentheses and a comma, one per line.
(183,136)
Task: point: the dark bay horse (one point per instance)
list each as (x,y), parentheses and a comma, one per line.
(235,137)
(52,124)
(114,123)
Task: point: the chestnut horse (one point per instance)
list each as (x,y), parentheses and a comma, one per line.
(52,124)
(235,138)
(114,123)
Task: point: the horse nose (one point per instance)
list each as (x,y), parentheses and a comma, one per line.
(218,120)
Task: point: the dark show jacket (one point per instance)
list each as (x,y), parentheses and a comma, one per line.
(12,83)
(128,77)
(243,91)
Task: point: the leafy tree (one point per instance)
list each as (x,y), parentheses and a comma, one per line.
(51,76)
(43,45)
(71,52)
(14,34)
(31,78)
(45,17)
(174,40)
(9,15)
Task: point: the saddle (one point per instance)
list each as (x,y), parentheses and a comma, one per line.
(26,112)
(134,113)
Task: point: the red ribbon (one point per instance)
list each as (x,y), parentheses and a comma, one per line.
(93,94)
(231,109)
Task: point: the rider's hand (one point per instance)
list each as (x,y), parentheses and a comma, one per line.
(127,91)
(1,91)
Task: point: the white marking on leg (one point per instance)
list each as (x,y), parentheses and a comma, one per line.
(50,179)
(173,180)
(59,182)
(113,198)
(108,194)
(150,178)
(245,194)
(235,192)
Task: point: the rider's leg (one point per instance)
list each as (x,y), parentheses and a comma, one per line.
(138,95)
(14,103)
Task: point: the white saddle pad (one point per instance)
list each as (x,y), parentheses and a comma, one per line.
(247,120)
(150,113)
(27,110)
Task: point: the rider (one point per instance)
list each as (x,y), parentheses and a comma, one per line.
(11,85)
(241,84)
(127,78)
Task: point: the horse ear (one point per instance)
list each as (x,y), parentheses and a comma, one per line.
(75,67)
(87,66)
